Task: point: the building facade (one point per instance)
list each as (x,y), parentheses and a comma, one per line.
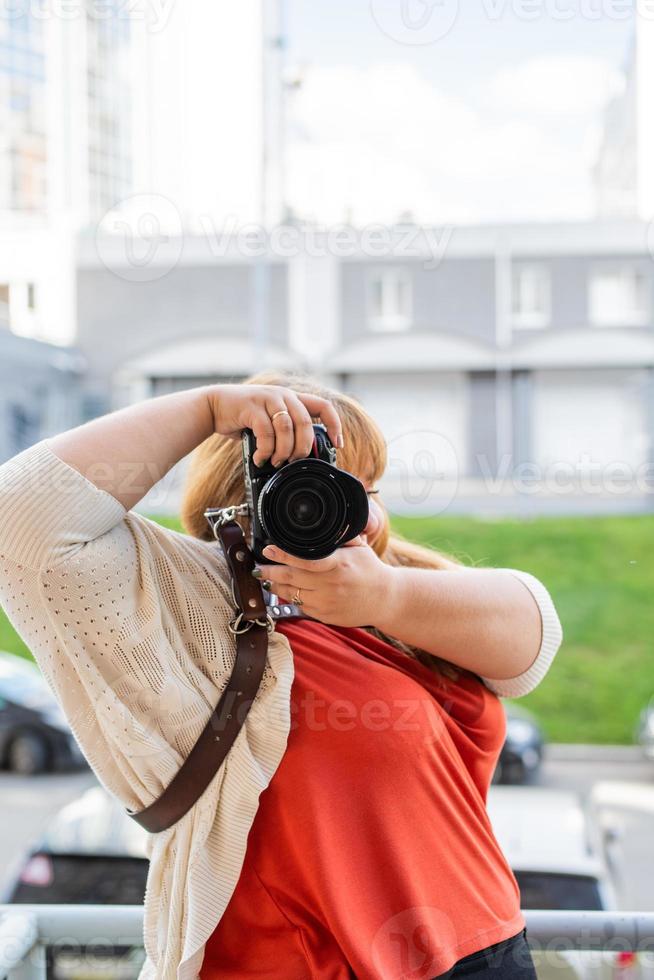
(40,391)
(509,367)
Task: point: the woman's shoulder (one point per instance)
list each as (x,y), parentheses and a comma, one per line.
(181,553)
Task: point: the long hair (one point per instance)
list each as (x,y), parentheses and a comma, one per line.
(215,479)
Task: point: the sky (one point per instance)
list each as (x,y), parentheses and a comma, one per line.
(485,112)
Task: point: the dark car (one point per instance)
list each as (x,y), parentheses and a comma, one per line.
(522,752)
(34,734)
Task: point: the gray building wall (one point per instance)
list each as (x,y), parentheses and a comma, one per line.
(570,277)
(40,392)
(457,297)
(482,424)
(120,320)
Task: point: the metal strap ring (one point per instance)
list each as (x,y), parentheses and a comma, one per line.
(233,626)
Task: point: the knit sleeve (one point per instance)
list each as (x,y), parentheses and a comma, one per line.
(49,509)
(127,620)
(551,638)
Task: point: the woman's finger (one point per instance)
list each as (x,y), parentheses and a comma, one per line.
(264,435)
(286,578)
(302,430)
(283,428)
(326,412)
(311,565)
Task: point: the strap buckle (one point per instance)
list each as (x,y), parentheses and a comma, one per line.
(217,516)
(269,623)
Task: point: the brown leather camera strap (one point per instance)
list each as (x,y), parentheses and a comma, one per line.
(219,734)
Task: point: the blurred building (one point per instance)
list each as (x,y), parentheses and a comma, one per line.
(65,130)
(107,117)
(511,368)
(39,391)
(105,106)
(23,157)
(624,169)
(514,362)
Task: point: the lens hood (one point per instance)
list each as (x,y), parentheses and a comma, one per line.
(310,508)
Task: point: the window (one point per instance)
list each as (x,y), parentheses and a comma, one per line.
(31,296)
(531,303)
(619,297)
(389,300)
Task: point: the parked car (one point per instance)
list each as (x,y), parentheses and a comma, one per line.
(92,853)
(562,858)
(522,752)
(34,734)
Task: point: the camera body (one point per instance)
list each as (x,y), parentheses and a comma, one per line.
(308,507)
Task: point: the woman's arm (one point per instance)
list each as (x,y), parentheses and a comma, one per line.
(498,623)
(66,491)
(126,452)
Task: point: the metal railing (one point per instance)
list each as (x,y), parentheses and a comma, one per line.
(28,933)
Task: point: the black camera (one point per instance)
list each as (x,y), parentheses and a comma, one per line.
(308,507)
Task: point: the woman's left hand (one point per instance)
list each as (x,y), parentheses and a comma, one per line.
(347,588)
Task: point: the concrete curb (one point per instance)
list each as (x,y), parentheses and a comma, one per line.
(564,751)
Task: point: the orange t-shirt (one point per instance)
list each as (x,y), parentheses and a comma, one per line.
(371,854)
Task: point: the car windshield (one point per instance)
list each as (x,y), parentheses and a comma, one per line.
(543,890)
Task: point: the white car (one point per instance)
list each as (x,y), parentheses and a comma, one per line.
(562,859)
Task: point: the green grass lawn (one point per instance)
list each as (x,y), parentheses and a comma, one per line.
(600,573)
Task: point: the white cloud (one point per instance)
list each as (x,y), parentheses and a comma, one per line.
(372,143)
(556,85)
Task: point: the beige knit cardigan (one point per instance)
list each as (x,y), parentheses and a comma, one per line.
(127,620)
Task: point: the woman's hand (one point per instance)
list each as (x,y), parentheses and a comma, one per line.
(350,587)
(288,437)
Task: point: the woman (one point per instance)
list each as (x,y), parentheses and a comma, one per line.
(371,854)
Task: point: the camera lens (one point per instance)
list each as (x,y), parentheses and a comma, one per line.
(305,508)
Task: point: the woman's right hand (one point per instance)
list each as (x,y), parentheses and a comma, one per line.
(289,437)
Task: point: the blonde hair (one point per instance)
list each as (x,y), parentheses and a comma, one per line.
(215,479)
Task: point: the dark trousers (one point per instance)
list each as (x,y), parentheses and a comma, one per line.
(509,959)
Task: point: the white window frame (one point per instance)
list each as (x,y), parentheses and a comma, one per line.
(627,318)
(531,319)
(389,276)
